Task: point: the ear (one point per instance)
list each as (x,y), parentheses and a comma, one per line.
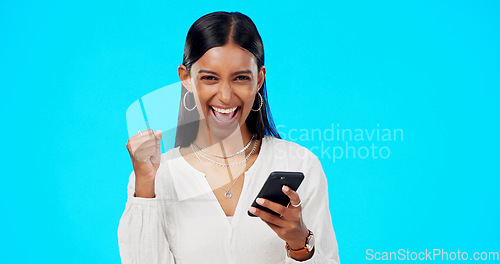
(261,77)
(185,78)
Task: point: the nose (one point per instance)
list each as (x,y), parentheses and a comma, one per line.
(225,93)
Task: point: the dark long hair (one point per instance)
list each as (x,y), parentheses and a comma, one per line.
(215,30)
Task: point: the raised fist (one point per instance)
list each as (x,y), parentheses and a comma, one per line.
(145,153)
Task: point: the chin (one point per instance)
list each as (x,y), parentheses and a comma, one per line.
(222,132)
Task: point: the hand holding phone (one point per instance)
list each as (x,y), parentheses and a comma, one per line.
(272,189)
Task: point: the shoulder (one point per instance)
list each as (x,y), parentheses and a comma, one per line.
(170,161)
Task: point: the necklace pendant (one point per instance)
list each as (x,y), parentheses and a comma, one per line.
(228,195)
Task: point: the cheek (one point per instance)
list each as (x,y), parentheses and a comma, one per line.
(201,100)
(203,92)
(248,102)
(246,95)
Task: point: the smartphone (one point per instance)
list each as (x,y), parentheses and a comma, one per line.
(272,188)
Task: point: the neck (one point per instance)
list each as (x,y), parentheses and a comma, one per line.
(223,145)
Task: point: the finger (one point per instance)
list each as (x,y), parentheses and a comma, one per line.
(129,149)
(148,132)
(268,217)
(144,141)
(294,197)
(139,147)
(144,155)
(157,156)
(276,207)
(151,150)
(158,134)
(277,229)
(144,145)
(156,159)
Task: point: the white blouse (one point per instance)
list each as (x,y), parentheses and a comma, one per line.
(185,223)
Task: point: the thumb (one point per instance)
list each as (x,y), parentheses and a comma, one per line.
(155,159)
(158,134)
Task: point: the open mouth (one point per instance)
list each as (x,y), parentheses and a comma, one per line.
(224,116)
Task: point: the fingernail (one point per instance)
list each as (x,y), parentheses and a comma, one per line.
(286,188)
(260,201)
(252,210)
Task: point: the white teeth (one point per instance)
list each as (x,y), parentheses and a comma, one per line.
(224,111)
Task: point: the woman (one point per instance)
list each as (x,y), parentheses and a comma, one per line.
(191,204)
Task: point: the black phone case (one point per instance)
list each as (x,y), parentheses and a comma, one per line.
(272,188)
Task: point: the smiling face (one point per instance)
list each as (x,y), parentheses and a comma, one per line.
(224,81)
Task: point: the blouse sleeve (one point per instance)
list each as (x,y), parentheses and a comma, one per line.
(141,235)
(317,217)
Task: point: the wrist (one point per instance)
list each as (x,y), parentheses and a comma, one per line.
(300,242)
(145,189)
(302,257)
(296,245)
(304,249)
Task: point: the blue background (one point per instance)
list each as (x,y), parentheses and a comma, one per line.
(69,70)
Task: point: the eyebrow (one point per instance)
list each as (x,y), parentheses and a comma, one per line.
(236,73)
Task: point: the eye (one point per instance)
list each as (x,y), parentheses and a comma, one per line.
(208,77)
(242,78)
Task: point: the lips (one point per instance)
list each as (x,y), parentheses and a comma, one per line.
(225,116)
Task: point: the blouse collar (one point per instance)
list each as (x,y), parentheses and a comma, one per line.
(191,183)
